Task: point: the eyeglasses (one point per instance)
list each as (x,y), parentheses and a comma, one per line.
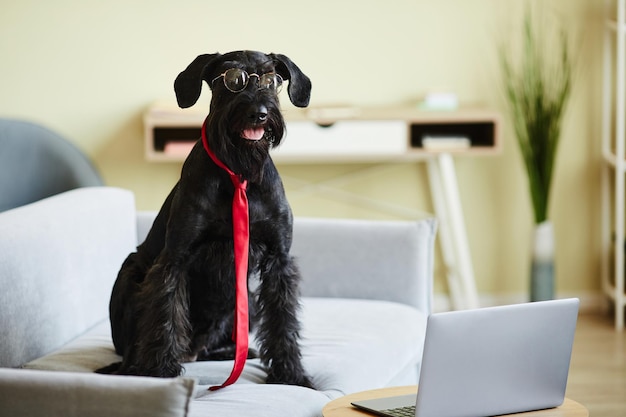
(236,80)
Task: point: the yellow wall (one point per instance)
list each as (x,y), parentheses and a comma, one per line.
(88,69)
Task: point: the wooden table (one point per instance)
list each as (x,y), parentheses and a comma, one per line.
(341,407)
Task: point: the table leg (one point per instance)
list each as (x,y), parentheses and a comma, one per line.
(452,234)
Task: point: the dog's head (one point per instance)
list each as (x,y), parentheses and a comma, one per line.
(244,119)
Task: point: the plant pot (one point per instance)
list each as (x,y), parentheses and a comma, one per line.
(542,265)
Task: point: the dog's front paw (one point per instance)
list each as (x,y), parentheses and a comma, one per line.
(110,369)
(289,378)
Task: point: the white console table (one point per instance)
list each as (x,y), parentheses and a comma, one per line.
(351,135)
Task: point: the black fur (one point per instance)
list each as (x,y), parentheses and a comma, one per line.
(174,297)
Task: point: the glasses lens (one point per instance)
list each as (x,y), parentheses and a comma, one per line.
(236,79)
(271,80)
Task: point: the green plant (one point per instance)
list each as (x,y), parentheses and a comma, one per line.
(537,93)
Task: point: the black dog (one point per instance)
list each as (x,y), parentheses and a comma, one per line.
(174,298)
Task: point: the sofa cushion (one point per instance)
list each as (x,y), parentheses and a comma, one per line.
(63,394)
(354,345)
(253,400)
(380,260)
(348,345)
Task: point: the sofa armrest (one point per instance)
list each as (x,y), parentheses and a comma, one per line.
(384,260)
(59,258)
(67,394)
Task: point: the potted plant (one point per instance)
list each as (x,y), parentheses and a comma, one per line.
(537,89)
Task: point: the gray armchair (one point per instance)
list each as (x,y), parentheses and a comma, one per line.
(36,163)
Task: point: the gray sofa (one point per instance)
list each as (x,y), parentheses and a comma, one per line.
(367,290)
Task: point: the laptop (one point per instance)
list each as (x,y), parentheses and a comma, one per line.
(490,361)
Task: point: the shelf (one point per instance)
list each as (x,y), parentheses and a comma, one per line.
(614,169)
(611,291)
(346,134)
(611,159)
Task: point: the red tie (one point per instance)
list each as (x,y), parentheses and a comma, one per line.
(241,238)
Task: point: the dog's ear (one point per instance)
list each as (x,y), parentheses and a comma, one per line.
(299,84)
(188,84)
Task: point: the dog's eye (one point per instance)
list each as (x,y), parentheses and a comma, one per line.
(236,79)
(271,80)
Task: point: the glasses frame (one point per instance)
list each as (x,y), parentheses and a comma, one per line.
(248,76)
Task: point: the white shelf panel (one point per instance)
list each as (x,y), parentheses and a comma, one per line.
(363,138)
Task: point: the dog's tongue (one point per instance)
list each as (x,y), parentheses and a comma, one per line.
(253,133)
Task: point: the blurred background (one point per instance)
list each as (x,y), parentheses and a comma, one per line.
(90,69)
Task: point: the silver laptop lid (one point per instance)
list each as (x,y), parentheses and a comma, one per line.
(497,360)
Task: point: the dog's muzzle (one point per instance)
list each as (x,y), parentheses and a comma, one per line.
(257,117)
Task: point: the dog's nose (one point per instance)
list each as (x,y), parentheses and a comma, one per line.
(257,114)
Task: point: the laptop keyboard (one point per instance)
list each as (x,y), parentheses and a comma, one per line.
(401,411)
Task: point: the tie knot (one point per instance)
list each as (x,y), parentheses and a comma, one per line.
(238,182)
